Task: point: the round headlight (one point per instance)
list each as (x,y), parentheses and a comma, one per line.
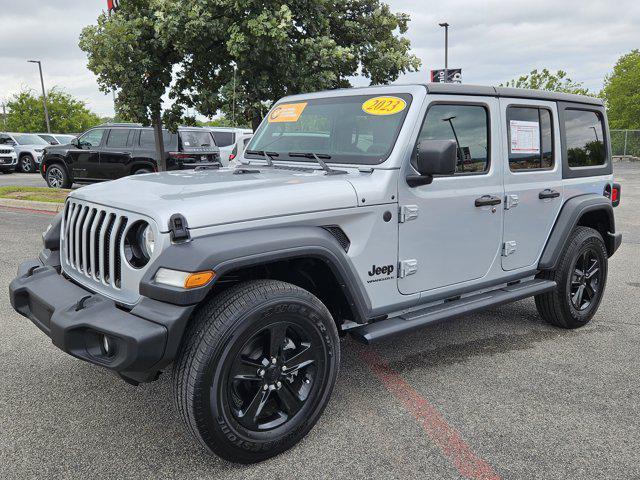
(148,241)
(139,243)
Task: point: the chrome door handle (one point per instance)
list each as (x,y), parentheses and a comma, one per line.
(488,201)
(548,193)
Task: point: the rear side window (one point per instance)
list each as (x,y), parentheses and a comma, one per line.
(584,138)
(468,126)
(148,140)
(224,139)
(530,135)
(118,137)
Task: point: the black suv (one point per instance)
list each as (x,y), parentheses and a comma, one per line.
(112,151)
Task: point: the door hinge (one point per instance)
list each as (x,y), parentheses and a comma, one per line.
(407,212)
(511,201)
(508,248)
(407,267)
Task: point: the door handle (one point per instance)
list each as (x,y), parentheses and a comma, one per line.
(548,193)
(487,201)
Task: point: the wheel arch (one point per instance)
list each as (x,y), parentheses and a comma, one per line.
(56,159)
(309,257)
(589,210)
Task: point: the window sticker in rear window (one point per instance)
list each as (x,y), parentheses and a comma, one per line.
(287,112)
(384,105)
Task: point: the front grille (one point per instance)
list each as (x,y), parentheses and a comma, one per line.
(91,242)
(5,151)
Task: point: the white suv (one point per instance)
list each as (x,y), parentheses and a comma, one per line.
(8,159)
(28,146)
(231,141)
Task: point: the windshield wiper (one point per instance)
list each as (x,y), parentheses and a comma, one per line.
(319,158)
(267,155)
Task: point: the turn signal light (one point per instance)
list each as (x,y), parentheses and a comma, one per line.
(195,280)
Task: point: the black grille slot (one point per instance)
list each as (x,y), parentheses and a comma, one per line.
(339,235)
(107,240)
(96,244)
(117,261)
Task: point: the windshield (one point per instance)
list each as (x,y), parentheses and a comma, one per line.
(359,129)
(29,139)
(196,139)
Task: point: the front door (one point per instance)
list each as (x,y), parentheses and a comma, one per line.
(85,158)
(532,179)
(456,235)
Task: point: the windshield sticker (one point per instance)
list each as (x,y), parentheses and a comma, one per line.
(384,105)
(287,112)
(525,137)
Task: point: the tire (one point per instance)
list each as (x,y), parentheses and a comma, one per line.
(223,373)
(57,176)
(565,307)
(27,164)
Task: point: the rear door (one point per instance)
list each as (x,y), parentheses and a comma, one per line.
(532,178)
(116,156)
(86,157)
(452,228)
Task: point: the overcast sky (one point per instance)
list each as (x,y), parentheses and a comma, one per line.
(492,41)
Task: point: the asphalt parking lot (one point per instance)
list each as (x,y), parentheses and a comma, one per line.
(22,179)
(493,395)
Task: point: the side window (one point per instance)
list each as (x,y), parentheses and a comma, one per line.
(530,135)
(224,139)
(92,138)
(584,138)
(118,137)
(148,140)
(468,126)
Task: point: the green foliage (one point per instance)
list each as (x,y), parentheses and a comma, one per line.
(67,114)
(222,121)
(545,80)
(622,92)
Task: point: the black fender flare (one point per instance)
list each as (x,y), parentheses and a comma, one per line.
(570,214)
(225,252)
(55,158)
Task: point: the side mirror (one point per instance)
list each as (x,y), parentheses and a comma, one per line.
(75,142)
(434,157)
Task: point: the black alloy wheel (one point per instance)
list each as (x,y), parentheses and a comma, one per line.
(273,375)
(585,283)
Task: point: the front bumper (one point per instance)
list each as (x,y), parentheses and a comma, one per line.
(146,338)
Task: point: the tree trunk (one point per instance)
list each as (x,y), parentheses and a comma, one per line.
(157,133)
(256,118)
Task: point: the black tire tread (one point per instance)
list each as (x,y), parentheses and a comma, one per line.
(208,326)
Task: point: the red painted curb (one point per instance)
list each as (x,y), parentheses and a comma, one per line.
(445,436)
(30,210)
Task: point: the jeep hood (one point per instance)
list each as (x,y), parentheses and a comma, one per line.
(215,197)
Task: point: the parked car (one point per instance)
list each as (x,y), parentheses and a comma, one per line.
(371,212)
(230,140)
(29,148)
(56,138)
(113,151)
(8,159)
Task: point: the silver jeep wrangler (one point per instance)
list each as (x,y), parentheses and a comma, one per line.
(371,212)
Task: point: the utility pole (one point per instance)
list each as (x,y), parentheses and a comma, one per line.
(446,50)
(44,95)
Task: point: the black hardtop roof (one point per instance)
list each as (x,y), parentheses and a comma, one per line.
(483,90)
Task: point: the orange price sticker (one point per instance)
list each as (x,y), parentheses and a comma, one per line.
(287,112)
(384,105)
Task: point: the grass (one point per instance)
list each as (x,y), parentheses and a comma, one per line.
(36,194)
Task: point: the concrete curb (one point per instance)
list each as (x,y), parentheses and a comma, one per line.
(31,205)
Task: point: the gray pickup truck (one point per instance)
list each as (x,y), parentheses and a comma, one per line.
(370,212)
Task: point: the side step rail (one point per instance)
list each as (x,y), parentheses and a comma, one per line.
(374,332)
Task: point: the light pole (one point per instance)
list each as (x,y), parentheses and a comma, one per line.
(446,50)
(44,95)
(455,135)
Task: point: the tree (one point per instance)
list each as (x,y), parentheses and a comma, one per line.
(545,80)
(128,52)
(281,49)
(67,114)
(622,92)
